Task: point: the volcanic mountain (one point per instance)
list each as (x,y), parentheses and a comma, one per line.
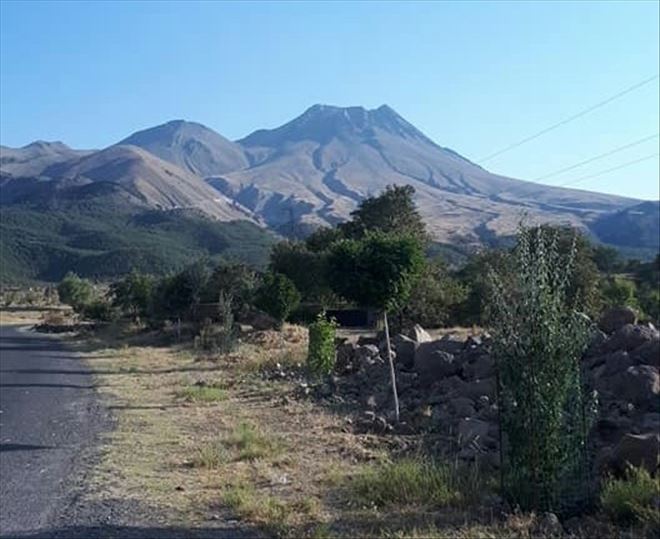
(316,169)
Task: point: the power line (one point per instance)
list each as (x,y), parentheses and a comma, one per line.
(619,167)
(569,119)
(596,158)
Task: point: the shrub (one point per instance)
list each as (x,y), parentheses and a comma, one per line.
(277,296)
(321,357)
(222,336)
(251,443)
(133,294)
(538,339)
(633,499)
(99,310)
(75,291)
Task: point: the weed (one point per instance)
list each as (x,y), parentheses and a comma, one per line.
(252,443)
(212,455)
(414,481)
(206,393)
(633,499)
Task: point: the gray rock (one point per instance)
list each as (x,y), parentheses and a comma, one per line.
(420,335)
(638,450)
(462,407)
(405,350)
(433,363)
(598,338)
(548,525)
(471,429)
(630,337)
(614,319)
(617,362)
(482,366)
(648,353)
(651,422)
(478,388)
(641,385)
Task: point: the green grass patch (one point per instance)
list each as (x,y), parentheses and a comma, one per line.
(633,498)
(202,394)
(252,443)
(212,455)
(414,481)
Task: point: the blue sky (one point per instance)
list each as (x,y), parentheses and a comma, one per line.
(474,76)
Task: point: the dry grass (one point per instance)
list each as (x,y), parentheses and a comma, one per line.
(15,317)
(290,467)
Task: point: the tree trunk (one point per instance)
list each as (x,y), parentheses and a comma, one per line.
(391,361)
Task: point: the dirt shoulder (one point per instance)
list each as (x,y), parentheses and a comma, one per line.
(209,445)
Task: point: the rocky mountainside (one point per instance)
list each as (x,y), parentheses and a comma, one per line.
(192,147)
(316,169)
(33,159)
(129,172)
(311,171)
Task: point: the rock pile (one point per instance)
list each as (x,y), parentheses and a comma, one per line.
(449,387)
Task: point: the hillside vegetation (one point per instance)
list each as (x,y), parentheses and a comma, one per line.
(103,243)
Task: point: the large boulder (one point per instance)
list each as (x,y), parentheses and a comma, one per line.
(637,450)
(481,366)
(617,362)
(648,353)
(405,350)
(630,337)
(640,385)
(419,334)
(614,319)
(479,388)
(434,364)
(471,429)
(462,407)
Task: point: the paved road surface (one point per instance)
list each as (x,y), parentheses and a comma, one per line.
(48,414)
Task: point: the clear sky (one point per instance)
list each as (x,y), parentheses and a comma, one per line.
(474,76)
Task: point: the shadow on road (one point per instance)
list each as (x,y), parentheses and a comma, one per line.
(23,447)
(137,532)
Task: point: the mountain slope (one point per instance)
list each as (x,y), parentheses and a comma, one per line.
(190,146)
(147,181)
(636,226)
(33,159)
(315,169)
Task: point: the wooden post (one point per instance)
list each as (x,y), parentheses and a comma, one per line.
(391,360)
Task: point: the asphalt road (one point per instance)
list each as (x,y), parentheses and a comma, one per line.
(48,416)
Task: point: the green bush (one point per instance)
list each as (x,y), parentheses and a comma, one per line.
(75,291)
(538,339)
(321,357)
(220,336)
(133,294)
(99,310)
(633,499)
(277,296)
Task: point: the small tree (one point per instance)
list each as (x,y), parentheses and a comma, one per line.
(277,296)
(377,271)
(538,340)
(322,354)
(133,294)
(75,291)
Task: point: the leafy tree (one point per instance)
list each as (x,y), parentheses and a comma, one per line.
(538,340)
(133,294)
(75,291)
(474,279)
(307,269)
(277,296)
(231,280)
(618,292)
(177,296)
(377,271)
(322,238)
(435,295)
(99,310)
(391,212)
(607,259)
